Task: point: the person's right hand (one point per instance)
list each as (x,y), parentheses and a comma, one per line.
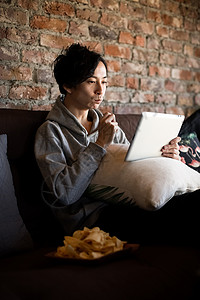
(107,128)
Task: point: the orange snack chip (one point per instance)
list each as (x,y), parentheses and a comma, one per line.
(89,244)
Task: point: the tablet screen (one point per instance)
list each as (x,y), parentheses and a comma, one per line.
(153,132)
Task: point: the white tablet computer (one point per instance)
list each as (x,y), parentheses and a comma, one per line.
(154,130)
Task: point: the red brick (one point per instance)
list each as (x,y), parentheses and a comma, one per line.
(110,4)
(145,55)
(134,68)
(179,35)
(193,88)
(168,59)
(190,11)
(160,71)
(28,92)
(95,46)
(173,46)
(174,110)
(141,97)
(3,91)
(152,3)
(150,84)
(143,27)
(113,65)
(126,38)
(54,41)
(153,43)
(197,76)
(27,4)
(172,7)
(188,50)
(132,10)
(21,36)
(198,25)
(162,31)
(81,1)
(44,75)
(197,52)
(197,100)
(117,96)
(9,53)
(54,92)
(15,73)
(87,14)
(153,16)
(166,98)
(127,109)
(182,61)
(195,38)
(41,22)
(182,74)
(132,83)
(172,21)
(78,29)
(140,41)
(14,16)
(116,80)
(190,25)
(2,33)
(38,57)
(59,8)
(170,85)
(6,73)
(185,100)
(113,21)
(117,51)
(175,86)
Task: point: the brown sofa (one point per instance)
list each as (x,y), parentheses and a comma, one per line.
(162,268)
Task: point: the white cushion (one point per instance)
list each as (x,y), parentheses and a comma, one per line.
(148,183)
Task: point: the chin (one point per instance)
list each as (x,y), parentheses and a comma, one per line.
(95,106)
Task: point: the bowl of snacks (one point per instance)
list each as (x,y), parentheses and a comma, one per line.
(92,245)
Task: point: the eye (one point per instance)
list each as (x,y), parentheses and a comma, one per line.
(91,81)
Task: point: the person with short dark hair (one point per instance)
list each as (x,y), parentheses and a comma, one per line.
(73,140)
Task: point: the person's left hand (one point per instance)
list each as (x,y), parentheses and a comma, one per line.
(172,149)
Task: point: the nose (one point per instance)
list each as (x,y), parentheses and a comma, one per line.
(99,88)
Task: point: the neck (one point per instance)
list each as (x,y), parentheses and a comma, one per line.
(81,115)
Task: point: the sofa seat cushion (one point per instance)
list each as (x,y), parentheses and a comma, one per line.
(154,272)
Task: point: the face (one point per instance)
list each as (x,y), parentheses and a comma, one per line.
(90,93)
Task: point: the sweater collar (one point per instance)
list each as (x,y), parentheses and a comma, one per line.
(64,117)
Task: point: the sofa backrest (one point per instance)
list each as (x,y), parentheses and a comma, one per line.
(20,127)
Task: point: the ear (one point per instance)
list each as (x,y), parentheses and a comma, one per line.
(69,90)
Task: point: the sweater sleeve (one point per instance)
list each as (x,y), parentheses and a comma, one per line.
(66,170)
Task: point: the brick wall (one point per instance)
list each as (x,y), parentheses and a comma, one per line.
(152,48)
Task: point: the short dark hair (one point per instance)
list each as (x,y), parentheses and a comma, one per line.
(74,65)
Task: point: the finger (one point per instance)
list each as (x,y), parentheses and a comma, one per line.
(172,145)
(175,140)
(171,150)
(109,118)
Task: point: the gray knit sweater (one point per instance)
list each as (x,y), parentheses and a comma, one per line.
(68,158)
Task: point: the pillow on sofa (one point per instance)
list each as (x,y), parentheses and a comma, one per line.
(190,150)
(148,183)
(13,233)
